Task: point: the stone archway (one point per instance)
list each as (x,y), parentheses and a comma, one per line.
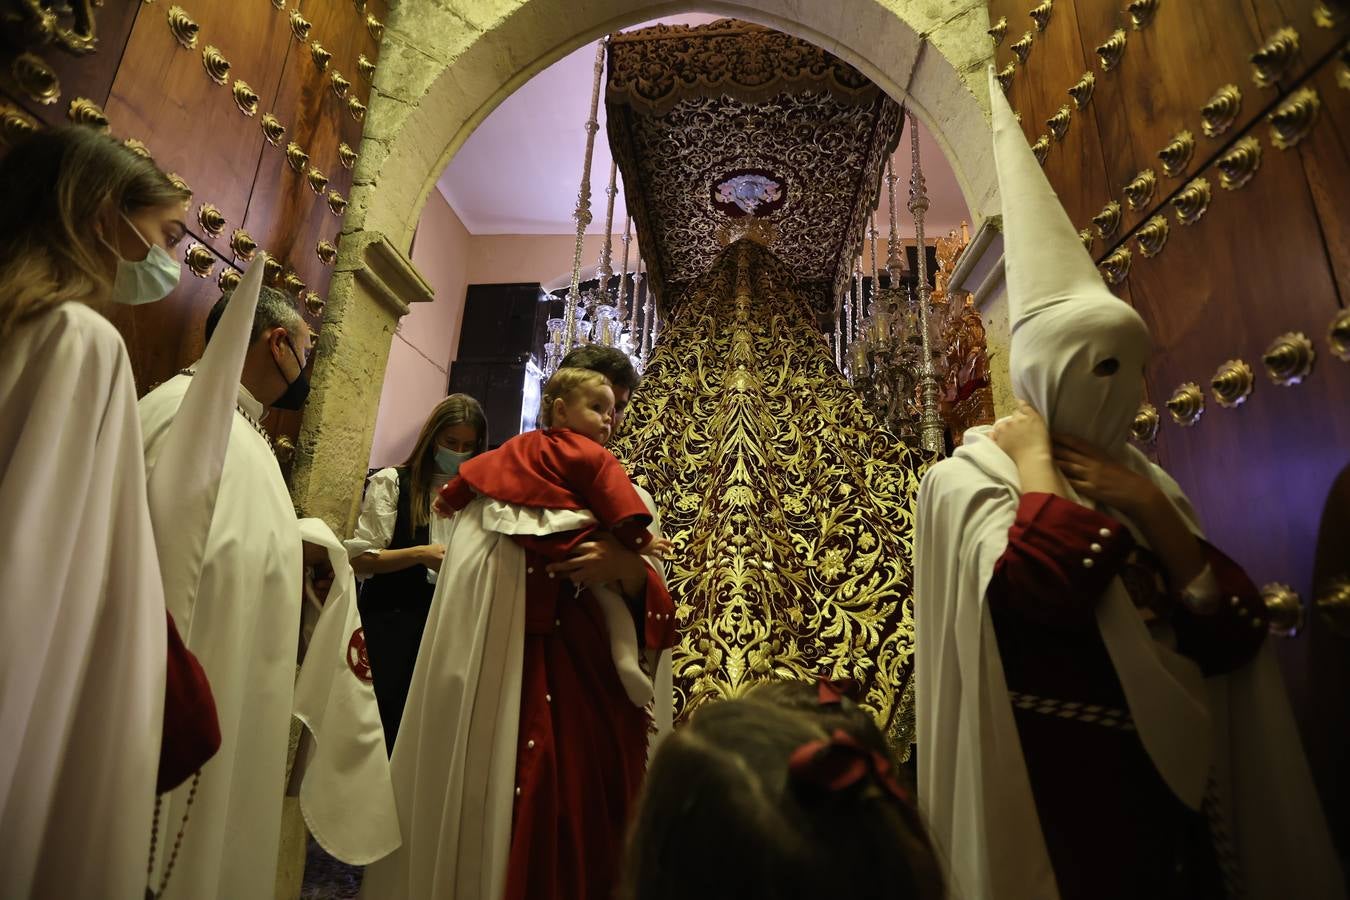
(445,65)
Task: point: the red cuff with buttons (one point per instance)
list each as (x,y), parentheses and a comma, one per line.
(659,613)
(1059,560)
(1229,637)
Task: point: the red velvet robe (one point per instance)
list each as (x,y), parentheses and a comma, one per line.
(1112,827)
(582,748)
(191,730)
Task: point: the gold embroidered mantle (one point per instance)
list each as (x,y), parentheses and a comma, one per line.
(789,507)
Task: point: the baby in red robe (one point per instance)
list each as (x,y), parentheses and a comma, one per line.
(565,467)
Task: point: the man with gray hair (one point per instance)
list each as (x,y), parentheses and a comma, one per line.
(242,619)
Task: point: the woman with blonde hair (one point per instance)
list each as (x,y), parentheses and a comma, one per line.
(85,221)
(395,553)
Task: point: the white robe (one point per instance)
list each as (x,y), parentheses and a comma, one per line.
(243,625)
(82,610)
(454,764)
(973,783)
(346,794)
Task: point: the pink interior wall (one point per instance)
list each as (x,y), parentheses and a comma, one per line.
(545,258)
(427,338)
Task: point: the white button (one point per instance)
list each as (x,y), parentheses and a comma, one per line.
(1235,601)
(517,792)
(529,570)
(1096,548)
(557,622)
(529,745)
(548,698)
(649,613)
(1087,563)
(1105,532)
(550,574)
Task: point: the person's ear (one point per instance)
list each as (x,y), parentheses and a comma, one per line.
(559,406)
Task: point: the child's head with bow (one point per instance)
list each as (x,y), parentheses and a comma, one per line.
(757,797)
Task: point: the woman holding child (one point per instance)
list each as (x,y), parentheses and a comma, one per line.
(522,748)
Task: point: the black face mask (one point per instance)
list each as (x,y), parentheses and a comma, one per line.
(297,391)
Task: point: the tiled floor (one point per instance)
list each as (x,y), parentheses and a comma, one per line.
(328,879)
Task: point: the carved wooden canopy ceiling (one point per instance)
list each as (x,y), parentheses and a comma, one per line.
(745,110)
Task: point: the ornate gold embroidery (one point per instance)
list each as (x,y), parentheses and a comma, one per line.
(790,508)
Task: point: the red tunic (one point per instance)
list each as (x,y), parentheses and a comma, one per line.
(583,744)
(1112,827)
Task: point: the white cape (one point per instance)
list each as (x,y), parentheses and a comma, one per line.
(454,763)
(973,784)
(242,623)
(82,609)
(346,794)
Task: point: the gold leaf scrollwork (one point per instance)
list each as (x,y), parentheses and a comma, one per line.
(1021,48)
(656,67)
(789,506)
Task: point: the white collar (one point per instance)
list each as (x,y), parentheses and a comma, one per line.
(249,405)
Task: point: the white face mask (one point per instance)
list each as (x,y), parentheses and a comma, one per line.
(146,280)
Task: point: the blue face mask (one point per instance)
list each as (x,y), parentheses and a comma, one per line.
(449,461)
(146,280)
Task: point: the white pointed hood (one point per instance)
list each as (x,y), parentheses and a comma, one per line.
(183,484)
(1064,320)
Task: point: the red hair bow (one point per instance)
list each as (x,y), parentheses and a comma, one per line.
(832,691)
(839,763)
